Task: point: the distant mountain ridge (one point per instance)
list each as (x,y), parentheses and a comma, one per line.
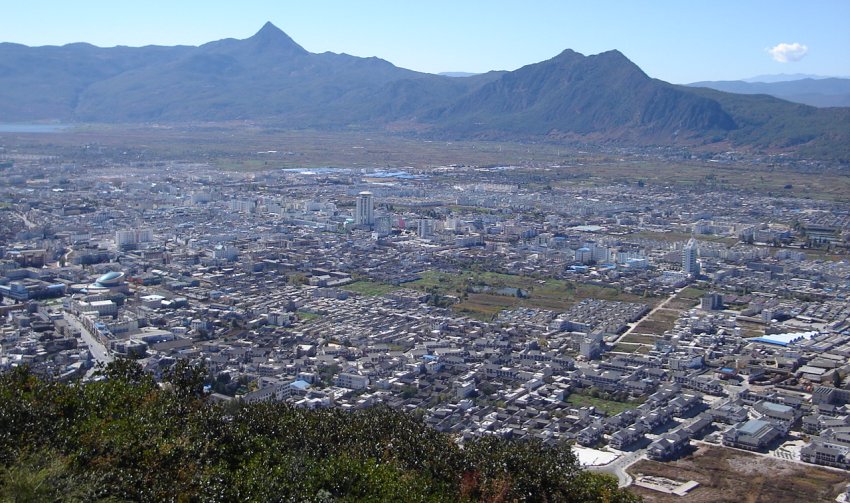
(785,77)
(820,92)
(269,78)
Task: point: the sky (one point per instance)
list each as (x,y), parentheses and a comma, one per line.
(679,41)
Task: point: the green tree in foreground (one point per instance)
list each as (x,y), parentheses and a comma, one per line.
(125,438)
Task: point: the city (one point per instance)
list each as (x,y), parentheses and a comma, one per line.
(499,300)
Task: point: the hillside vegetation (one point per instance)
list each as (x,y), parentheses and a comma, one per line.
(125,438)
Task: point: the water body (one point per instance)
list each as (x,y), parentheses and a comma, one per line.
(402,175)
(397,174)
(318,171)
(33,128)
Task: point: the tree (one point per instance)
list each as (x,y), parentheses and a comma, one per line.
(126,370)
(186,378)
(117,440)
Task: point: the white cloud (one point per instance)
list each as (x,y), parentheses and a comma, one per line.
(785,53)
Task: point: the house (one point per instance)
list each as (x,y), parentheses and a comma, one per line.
(669,445)
(728,413)
(626,437)
(590,435)
(702,383)
(781,416)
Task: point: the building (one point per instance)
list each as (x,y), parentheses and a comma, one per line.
(712,302)
(829,454)
(364,214)
(130,238)
(28,288)
(752,435)
(425,228)
(383,225)
(583,255)
(690,266)
(669,445)
(351,381)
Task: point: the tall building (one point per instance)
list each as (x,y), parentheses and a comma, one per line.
(690,265)
(133,237)
(425,228)
(365,212)
(383,225)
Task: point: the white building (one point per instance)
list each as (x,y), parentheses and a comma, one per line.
(364,214)
(352,381)
(133,236)
(690,265)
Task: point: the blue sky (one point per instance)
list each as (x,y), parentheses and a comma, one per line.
(677,41)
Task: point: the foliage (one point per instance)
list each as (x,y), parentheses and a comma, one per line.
(125,438)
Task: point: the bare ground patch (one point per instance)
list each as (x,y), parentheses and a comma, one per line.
(727,475)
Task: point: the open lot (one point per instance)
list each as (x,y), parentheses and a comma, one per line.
(555,295)
(611,407)
(659,322)
(732,476)
(364,287)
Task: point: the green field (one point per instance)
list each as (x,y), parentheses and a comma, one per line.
(553,294)
(365,287)
(307,317)
(637,338)
(625,347)
(610,407)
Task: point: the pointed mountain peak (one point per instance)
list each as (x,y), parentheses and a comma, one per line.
(270,36)
(269,29)
(569,53)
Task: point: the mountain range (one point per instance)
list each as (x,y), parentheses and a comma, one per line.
(269,78)
(817,92)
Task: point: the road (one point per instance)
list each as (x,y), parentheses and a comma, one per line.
(98,351)
(618,467)
(26,220)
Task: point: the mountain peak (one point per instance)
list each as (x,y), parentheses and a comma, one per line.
(269,29)
(569,55)
(271,36)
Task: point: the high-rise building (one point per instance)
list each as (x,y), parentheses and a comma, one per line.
(383,225)
(365,211)
(131,237)
(690,265)
(425,228)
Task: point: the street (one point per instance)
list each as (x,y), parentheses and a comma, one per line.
(98,351)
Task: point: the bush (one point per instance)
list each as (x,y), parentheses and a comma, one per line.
(126,438)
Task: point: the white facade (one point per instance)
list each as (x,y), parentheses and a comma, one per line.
(365,211)
(133,236)
(690,265)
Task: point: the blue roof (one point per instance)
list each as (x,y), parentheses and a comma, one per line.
(752,426)
(302,385)
(109,276)
(784,339)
